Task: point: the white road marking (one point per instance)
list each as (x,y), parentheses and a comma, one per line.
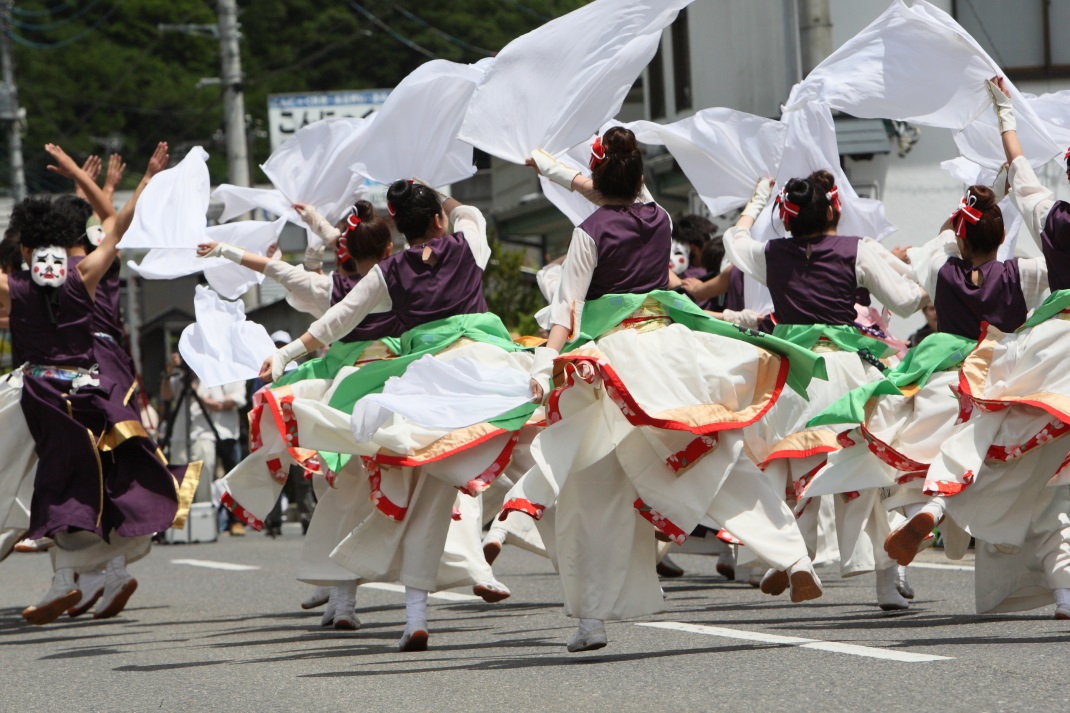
(937,565)
(831,646)
(444,596)
(209,564)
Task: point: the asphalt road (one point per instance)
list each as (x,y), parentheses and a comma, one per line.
(195,638)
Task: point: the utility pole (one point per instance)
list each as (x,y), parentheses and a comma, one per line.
(815,33)
(9,103)
(233,100)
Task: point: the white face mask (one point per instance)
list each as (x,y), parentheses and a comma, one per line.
(48,266)
(95,235)
(680,257)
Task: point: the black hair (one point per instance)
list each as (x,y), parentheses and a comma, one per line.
(713,255)
(413,206)
(620,174)
(811,194)
(371,236)
(10,252)
(77,211)
(986,234)
(40,223)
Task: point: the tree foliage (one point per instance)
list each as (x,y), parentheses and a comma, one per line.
(97,75)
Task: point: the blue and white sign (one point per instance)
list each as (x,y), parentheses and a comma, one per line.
(289,112)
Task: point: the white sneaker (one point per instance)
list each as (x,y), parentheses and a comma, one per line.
(345,602)
(39,545)
(888,596)
(119,586)
(61,596)
(803,581)
(318,598)
(491,591)
(493,543)
(328,613)
(414,638)
(92,586)
(902,583)
(589,636)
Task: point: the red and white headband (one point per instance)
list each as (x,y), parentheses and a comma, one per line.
(966,213)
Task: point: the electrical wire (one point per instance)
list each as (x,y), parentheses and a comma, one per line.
(524,8)
(442,33)
(15,10)
(45,27)
(389,30)
(66,41)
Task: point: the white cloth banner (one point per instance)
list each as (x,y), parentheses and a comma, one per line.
(1054,110)
(810,146)
(238,200)
(442,394)
(722,152)
(221,347)
(313,166)
(173,209)
(553,87)
(227,278)
(917,64)
(415,132)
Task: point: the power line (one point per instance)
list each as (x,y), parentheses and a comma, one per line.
(445,35)
(45,27)
(43,11)
(391,31)
(524,8)
(69,40)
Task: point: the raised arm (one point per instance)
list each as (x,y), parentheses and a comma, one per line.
(875,270)
(96,264)
(114,176)
(563,175)
(744,252)
(309,291)
(66,167)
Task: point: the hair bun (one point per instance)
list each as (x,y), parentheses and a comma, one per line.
(619,141)
(365,210)
(399,193)
(983,197)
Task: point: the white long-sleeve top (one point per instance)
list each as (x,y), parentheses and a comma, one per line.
(926,261)
(371,293)
(577,271)
(308,292)
(876,269)
(1032,199)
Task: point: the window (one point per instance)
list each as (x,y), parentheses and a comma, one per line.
(1020,36)
(656,87)
(681,62)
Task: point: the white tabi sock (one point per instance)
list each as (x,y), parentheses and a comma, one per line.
(1062,598)
(415,609)
(888,596)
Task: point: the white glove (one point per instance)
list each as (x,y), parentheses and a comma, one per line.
(999,186)
(553,169)
(282,357)
(762,192)
(1003,106)
(542,369)
(319,224)
(744,318)
(230,252)
(314,258)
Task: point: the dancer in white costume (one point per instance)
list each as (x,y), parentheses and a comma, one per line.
(344,497)
(814,278)
(648,420)
(435,289)
(1002,474)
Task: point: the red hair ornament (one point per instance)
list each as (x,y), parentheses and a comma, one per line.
(787,208)
(598,153)
(965,214)
(342,251)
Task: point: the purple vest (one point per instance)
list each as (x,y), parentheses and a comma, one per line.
(376,325)
(1055,241)
(423,293)
(961,306)
(68,342)
(633,244)
(819,289)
